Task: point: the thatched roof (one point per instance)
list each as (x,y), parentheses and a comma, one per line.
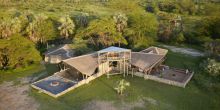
(155,50)
(145,60)
(86,64)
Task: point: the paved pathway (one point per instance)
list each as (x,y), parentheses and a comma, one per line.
(188,51)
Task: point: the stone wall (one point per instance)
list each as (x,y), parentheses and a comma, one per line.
(166,81)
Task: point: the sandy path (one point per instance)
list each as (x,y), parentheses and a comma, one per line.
(187,51)
(108,105)
(16,97)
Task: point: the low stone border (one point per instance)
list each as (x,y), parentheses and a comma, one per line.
(166,81)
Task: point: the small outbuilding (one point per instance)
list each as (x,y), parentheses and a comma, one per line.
(57,54)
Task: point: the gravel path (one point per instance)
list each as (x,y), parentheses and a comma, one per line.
(187,51)
(16,97)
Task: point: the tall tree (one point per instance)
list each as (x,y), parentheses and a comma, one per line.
(9,27)
(67,26)
(41,29)
(82,20)
(142,29)
(102,32)
(121,23)
(4,58)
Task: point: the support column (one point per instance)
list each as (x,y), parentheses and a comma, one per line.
(132,72)
(127,69)
(108,70)
(124,66)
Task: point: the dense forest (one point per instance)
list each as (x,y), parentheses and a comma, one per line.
(29,27)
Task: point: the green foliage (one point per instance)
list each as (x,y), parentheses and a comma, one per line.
(179,38)
(121,86)
(9,27)
(80,46)
(120,21)
(102,32)
(187,7)
(211,66)
(4,60)
(82,20)
(213,47)
(41,29)
(66,27)
(17,52)
(152,7)
(125,5)
(168,6)
(142,29)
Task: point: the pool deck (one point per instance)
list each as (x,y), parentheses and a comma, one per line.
(44,85)
(176,77)
(62,86)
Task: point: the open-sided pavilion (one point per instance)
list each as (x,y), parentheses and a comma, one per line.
(110,61)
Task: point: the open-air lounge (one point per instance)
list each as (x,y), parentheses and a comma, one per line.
(80,70)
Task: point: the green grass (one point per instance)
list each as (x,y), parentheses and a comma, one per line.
(167,97)
(33,70)
(11,75)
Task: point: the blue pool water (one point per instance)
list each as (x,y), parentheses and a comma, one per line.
(46,85)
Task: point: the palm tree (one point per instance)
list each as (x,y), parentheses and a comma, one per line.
(122,84)
(33,30)
(9,27)
(67,26)
(5,30)
(16,25)
(121,23)
(82,20)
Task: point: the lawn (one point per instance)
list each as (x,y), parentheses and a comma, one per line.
(33,70)
(11,75)
(164,96)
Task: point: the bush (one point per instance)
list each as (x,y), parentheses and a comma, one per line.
(80,46)
(17,52)
(211,66)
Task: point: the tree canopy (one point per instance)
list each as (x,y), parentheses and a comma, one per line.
(41,29)
(142,29)
(102,32)
(66,27)
(17,52)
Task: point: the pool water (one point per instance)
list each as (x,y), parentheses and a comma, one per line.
(62,86)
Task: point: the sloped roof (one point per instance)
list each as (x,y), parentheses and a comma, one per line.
(86,64)
(144,60)
(155,50)
(113,49)
(64,51)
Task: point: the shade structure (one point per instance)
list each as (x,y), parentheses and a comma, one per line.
(85,64)
(145,60)
(114,49)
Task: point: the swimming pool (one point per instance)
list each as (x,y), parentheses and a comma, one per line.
(61,84)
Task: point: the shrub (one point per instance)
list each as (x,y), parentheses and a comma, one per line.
(17,52)
(211,66)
